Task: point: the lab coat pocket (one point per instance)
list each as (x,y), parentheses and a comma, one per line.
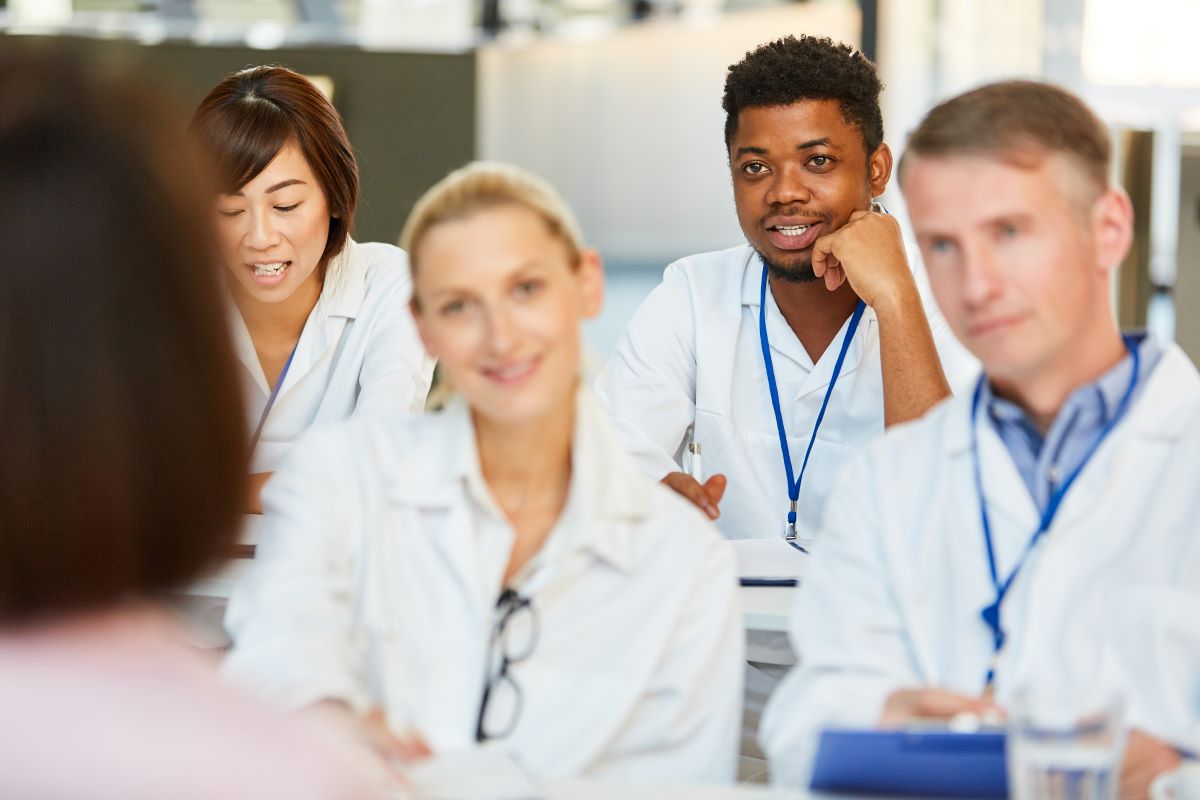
(766,470)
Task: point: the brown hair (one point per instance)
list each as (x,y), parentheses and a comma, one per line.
(481,185)
(123,451)
(1018,121)
(252,114)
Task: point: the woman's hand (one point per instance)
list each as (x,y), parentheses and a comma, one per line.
(373,731)
(254,487)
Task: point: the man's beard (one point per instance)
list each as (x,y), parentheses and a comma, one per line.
(799,273)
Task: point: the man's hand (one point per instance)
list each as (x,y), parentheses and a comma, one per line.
(1145,759)
(869,252)
(706,496)
(905,705)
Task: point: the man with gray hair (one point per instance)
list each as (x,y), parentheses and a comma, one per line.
(1036,536)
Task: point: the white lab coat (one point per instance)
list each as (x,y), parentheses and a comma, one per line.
(1109,599)
(381,562)
(359,352)
(692,354)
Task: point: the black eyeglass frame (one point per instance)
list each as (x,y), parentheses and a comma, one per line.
(511,603)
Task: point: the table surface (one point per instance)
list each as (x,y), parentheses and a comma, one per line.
(597,790)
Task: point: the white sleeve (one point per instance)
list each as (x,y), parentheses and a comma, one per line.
(396,371)
(648,388)
(846,629)
(696,691)
(290,616)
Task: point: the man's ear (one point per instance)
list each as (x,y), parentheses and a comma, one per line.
(591,282)
(1112,225)
(879,169)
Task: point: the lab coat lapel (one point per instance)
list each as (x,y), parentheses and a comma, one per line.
(818,379)
(784,342)
(782,338)
(340,301)
(610,493)
(243,345)
(443,485)
(1011,509)
(1157,419)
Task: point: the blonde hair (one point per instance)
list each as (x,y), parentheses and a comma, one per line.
(481,185)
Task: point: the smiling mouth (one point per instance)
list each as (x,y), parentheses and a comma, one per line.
(512,373)
(270,269)
(792,230)
(794,237)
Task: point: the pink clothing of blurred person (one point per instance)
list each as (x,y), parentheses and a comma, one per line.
(108,706)
(123,461)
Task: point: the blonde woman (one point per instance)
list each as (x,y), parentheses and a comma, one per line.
(499,574)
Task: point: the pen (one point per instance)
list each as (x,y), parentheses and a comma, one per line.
(695,467)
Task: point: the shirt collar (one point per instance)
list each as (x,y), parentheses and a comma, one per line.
(1169,402)
(1100,399)
(606,490)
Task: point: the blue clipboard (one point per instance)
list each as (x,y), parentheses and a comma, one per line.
(914,762)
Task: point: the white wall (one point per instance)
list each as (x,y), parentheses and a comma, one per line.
(629,127)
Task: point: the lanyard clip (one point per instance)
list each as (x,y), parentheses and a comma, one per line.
(789,531)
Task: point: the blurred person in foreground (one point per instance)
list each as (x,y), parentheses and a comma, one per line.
(499,574)
(1038,534)
(123,458)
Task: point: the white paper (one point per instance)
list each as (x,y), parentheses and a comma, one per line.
(768,559)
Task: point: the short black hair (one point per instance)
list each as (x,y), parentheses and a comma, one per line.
(789,70)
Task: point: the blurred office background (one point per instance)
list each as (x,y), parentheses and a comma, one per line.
(617,102)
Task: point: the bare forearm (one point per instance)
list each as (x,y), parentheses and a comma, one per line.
(913,380)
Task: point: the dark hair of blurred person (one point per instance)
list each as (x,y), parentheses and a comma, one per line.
(124,452)
(123,458)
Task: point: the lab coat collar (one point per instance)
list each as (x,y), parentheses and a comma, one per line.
(783,338)
(1163,410)
(341,299)
(345,282)
(243,345)
(606,492)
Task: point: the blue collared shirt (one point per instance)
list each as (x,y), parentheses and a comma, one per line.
(1043,461)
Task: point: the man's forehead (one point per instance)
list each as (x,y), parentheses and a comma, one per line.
(982,187)
(796,123)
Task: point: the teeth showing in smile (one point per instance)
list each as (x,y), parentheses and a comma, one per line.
(270,269)
(792,230)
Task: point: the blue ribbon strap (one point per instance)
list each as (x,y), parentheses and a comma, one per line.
(794,482)
(991,613)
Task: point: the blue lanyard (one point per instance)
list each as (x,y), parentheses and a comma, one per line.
(794,484)
(991,614)
(262,420)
